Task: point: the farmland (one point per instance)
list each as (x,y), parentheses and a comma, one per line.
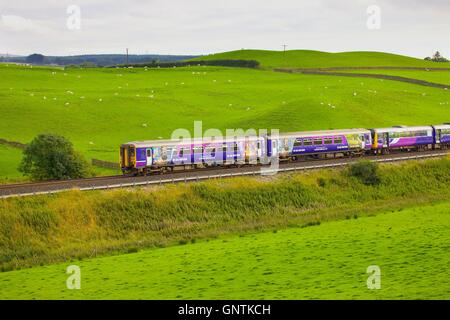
(328,261)
(304,235)
(98,109)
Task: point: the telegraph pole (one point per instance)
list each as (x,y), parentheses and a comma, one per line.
(127,57)
(284,47)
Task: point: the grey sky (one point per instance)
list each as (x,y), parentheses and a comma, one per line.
(412,27)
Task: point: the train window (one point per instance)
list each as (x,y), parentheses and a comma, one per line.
(445,131)
(131,152)
(142,153)
(149,153)
(318,141)
(210,152)
(328,141)
(236,149)
(307,142)
(338,140)
(421,134)
(181,152)
(298,143)
(198,150)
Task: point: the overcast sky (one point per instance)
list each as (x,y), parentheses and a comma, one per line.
(411,27)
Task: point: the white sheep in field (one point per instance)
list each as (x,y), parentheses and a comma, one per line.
(100,100)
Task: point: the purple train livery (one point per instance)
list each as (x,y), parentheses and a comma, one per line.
(143,157)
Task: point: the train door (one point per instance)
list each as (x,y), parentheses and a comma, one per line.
(123,157)
(149,157)
(274,148)
(385,140)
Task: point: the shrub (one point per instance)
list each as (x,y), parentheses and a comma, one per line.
(366,172)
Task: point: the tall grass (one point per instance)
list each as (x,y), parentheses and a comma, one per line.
(73,225)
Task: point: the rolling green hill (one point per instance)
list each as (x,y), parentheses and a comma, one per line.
(319,59)
(98,109)
(322,262)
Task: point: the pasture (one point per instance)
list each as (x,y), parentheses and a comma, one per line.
(98,109)
(328,261)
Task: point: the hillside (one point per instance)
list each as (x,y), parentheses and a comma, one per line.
(319,59)
(322,262)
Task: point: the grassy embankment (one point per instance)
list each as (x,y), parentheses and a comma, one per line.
(74,225)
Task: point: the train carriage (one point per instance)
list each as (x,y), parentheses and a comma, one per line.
(319,143)
(402,138)
(442,136)
(141,157)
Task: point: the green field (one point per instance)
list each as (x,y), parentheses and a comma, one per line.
(319,59)
(9,161)
(98,109)
(322,262)
(442,77)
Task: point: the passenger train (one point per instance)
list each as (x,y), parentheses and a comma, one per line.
(146,157)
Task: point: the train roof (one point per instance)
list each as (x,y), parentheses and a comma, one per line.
(325,133)
(403,129)
(442,126)
(171,142)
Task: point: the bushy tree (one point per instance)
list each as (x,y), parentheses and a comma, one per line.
(366,172)
(52,157)
(437,57)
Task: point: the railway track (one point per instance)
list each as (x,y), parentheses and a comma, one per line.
(111,182)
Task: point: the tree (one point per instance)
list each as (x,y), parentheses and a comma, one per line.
(437,57)
(35,58)
(52,157)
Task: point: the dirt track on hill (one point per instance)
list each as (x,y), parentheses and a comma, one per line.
(330,72)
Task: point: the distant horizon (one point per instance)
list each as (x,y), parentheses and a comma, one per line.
(3,54)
